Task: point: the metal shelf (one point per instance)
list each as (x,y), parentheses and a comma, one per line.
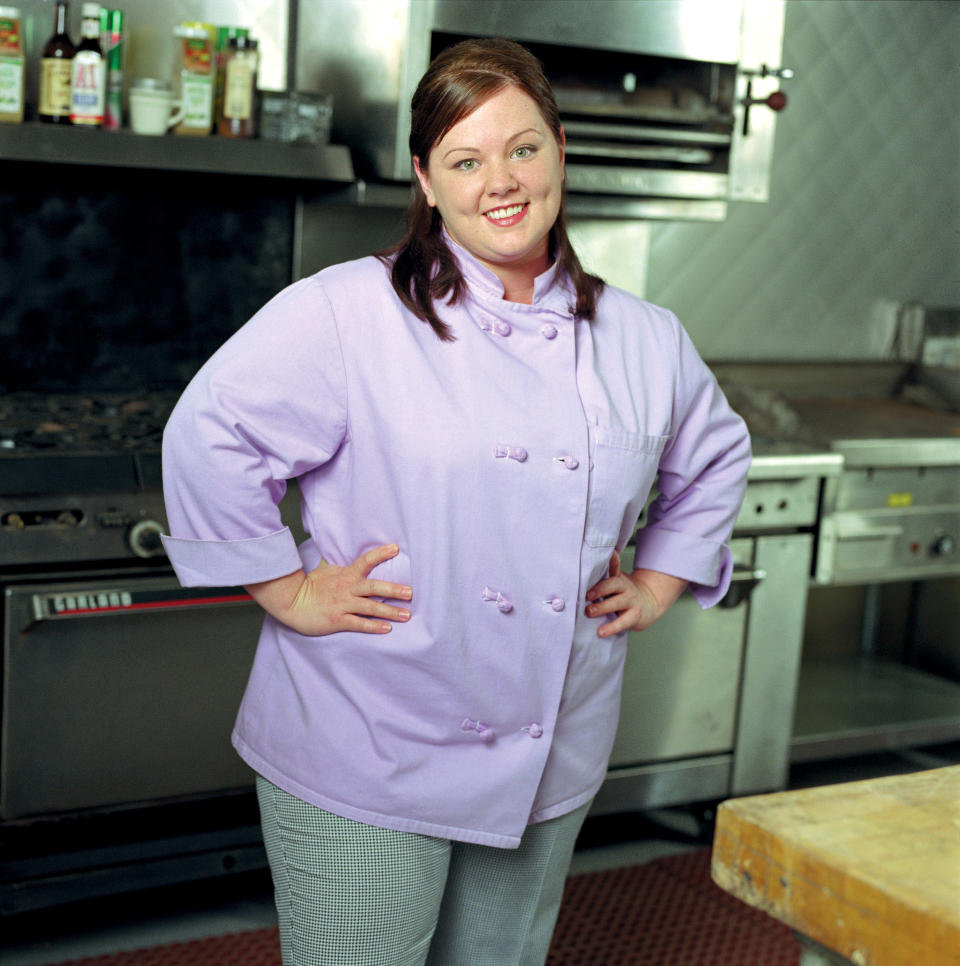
(862,706)
(33,141)
(396,195)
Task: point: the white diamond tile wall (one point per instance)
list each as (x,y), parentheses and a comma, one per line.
(865,193)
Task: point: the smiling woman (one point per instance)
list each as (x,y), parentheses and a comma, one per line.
(516,169)
(474,424)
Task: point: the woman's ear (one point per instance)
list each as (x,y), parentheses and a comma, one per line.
(424,182)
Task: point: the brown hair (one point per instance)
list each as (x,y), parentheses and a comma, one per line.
(456,83)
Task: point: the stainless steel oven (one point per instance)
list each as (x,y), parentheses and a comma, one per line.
(708,696)
(119,688)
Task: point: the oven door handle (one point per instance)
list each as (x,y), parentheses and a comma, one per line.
(742,584)
(81,604)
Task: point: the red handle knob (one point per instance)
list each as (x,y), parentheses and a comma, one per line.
(777,101)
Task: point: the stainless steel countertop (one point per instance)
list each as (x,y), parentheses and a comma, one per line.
(780,460)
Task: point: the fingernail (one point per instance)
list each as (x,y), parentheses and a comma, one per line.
(404,615)
(408,593)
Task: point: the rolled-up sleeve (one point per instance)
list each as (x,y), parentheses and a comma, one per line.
(702,479)
(267,407)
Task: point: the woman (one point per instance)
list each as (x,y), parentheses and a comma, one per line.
(475,424)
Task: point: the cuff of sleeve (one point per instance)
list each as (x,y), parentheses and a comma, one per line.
(227,563)
(706,564)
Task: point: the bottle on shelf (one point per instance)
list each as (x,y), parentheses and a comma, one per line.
(88,77)
(221,43)
(194,76)
(237,117)
(55,69)
(11,65)
(111,42)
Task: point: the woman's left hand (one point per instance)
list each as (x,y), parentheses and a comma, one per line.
(639,599)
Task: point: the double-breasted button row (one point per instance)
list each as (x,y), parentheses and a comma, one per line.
(519,453)
(505,605)
(534,729)
(490,323)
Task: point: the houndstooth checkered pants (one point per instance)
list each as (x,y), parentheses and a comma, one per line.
(350,894)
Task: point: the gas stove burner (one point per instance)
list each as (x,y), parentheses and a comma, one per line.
(33,422)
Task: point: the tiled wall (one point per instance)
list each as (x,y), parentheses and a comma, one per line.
(865,193)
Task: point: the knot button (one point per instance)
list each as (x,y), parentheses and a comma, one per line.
(468,724)
(518,453)
(504,604)
(534,730)
(548,330)
(502,328)
(557,603)
(568,460)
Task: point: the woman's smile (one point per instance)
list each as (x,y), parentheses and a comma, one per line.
(507,216)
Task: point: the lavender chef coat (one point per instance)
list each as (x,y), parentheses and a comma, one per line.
(507,466)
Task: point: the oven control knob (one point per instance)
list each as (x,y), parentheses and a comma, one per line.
(144,538)
(943,546)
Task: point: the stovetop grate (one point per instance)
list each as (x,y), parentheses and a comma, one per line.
(34,422)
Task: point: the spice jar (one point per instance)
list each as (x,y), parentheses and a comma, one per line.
(11,65)
(238,112)
(194,77)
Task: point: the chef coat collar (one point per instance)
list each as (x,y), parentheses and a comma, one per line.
(552,289)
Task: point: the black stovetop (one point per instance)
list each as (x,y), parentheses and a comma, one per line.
(81,442)
(33,422)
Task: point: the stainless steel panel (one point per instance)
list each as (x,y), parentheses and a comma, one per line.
(887,485)
(120,707)
(752,151)
(793,463)
(771,661)
(780,504)
(682,680)
(901,452)
(664,784)
(365,54)
(861,547)
(630,181)
(695,29)
(860,707)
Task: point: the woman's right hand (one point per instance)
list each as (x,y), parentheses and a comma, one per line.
(330,599)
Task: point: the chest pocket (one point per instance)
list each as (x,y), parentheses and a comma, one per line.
(623,467)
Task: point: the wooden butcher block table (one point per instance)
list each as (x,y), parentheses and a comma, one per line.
(867,869)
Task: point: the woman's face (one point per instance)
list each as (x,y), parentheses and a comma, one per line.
(495,177)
